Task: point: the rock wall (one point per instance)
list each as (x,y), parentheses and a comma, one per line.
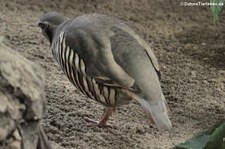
(22,102)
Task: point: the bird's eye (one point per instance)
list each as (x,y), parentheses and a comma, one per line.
(44,26)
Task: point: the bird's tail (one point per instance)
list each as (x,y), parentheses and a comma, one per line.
(157,112)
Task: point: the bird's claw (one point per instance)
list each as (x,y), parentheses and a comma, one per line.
(94,123)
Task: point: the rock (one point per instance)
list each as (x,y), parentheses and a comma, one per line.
(22,102)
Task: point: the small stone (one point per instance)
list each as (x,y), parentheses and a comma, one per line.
(17,135)
(193,73)
(204,44)
(15,145)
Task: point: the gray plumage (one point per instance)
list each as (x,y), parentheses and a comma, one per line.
(106,60)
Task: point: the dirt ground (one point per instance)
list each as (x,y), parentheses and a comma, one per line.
(190,50)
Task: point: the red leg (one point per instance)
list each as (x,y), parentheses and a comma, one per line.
(103,121)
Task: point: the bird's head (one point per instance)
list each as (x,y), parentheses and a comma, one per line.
(49,22)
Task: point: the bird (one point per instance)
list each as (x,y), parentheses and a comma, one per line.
(109,62)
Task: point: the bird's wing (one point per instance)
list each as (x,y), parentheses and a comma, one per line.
(152,58)
(94,52)
(144,44)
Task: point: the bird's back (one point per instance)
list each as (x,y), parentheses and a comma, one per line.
(128,50)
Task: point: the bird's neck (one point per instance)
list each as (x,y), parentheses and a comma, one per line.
(51,34)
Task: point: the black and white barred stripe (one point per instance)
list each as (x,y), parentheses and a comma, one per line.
(75,69)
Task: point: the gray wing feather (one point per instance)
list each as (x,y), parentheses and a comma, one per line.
(144,44)
(95,50)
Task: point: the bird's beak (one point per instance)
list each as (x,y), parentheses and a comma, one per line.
(40,24)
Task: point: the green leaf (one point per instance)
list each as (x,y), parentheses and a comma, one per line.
(216,9)
(214,138)
(217,139)
(197,142)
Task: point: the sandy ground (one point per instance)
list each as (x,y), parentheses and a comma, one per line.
(190,50)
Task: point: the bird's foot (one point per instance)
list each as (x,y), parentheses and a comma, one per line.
(103,122)
(94,123)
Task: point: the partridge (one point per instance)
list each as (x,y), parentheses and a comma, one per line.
(107,61)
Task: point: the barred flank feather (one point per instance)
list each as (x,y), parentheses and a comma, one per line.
(75,69)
